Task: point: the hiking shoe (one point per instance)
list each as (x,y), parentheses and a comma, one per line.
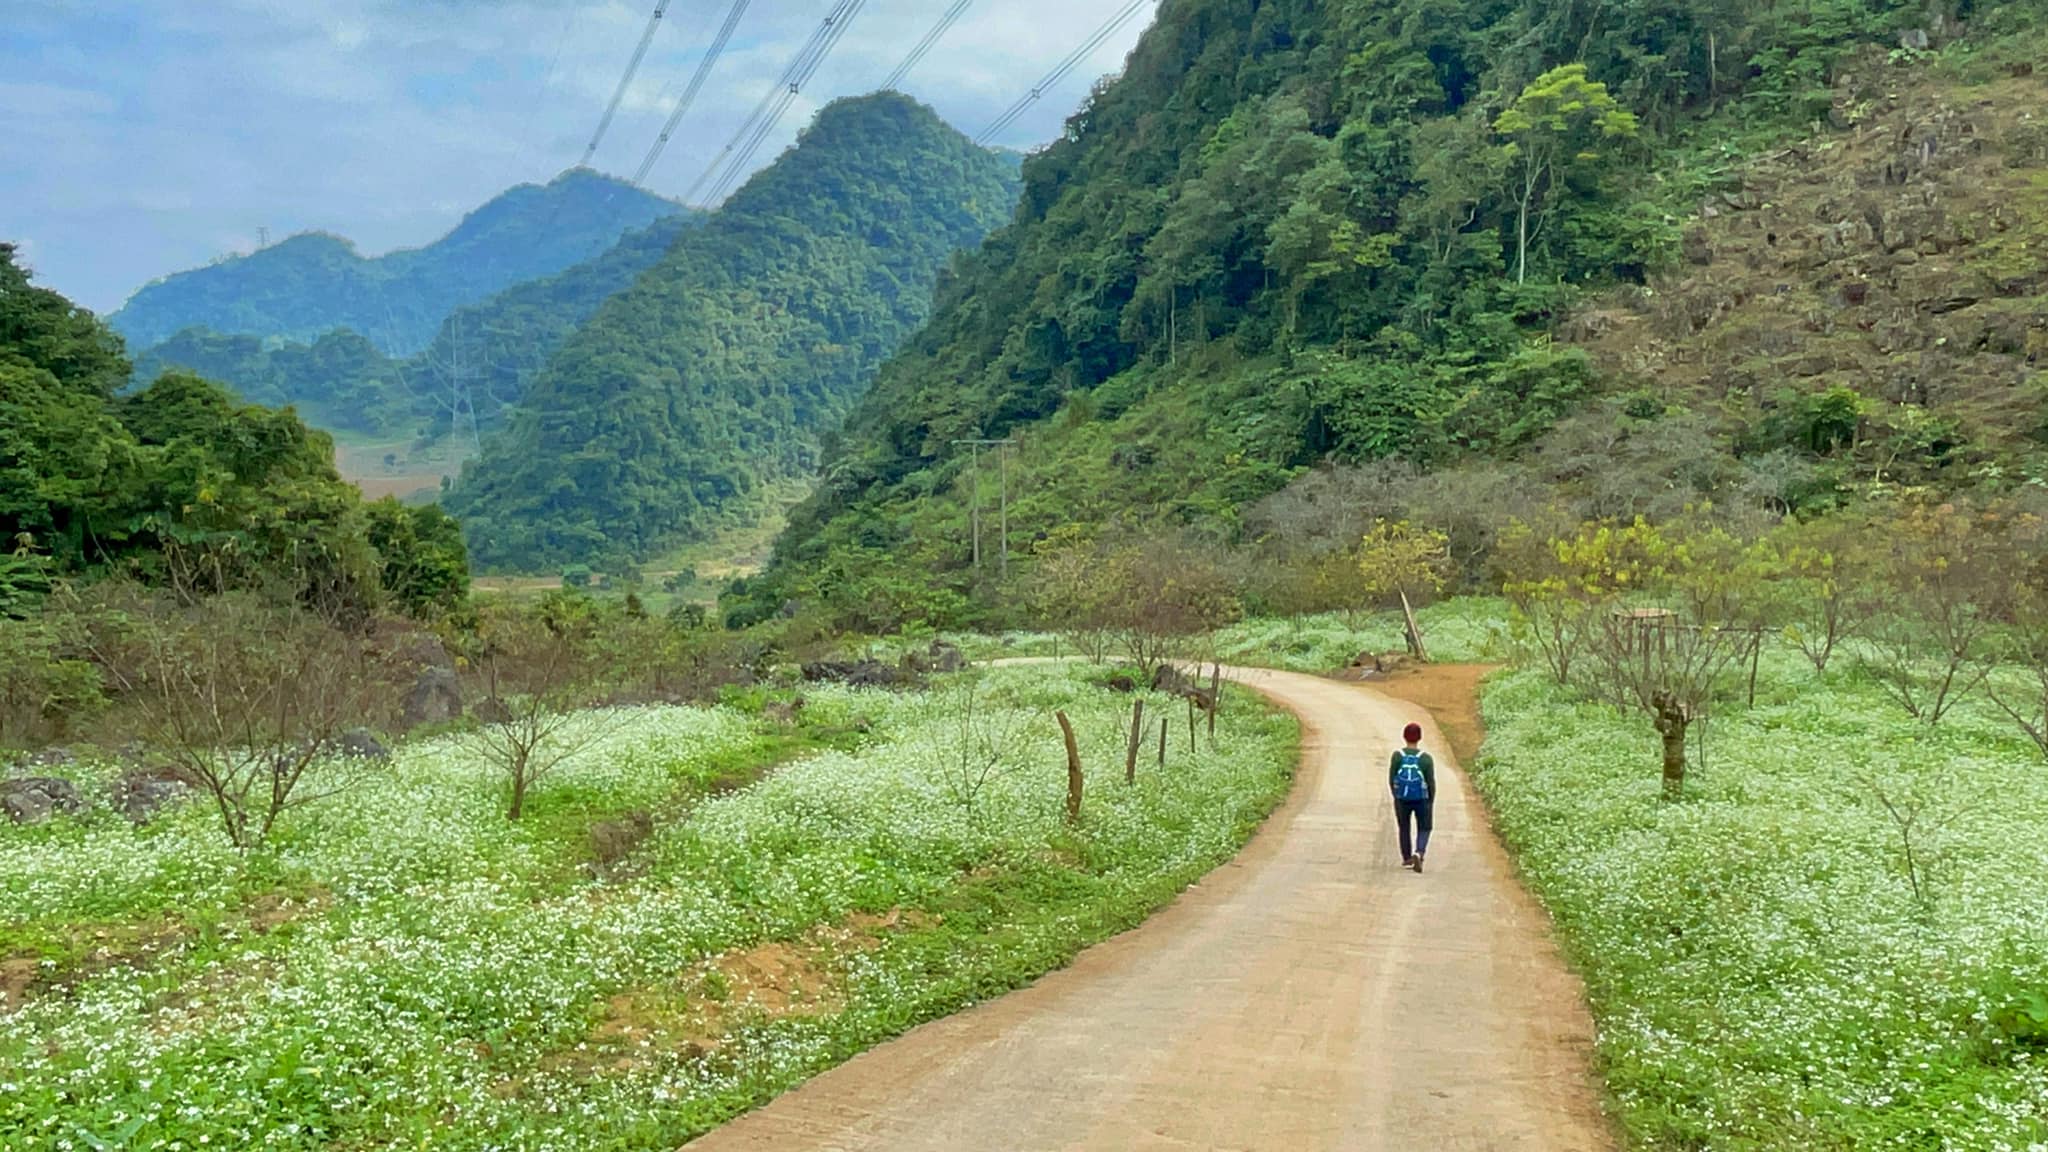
(1407,861)
(1417,864)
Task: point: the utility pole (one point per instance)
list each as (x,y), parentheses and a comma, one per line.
(1002,448)
(262,238)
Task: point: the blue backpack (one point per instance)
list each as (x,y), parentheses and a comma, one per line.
(1409,783)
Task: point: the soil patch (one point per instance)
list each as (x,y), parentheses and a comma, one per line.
(776,979)
(1451,694)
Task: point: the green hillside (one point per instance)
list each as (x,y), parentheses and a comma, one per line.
(483,355)
(1429,234)
(312,284)
(721,369)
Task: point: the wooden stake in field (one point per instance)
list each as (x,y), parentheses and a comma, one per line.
(1191,723)
(1164,724)
(1137,739)
(1215,701)
(1073,768)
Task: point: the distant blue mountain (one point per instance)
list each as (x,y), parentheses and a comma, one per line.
(314,283)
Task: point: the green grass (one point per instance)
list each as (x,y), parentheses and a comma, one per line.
(422,926)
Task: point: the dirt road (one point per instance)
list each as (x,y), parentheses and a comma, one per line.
(1310,995)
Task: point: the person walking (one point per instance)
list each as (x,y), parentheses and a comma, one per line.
(1412,777)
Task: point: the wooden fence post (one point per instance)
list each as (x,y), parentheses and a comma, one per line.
(1073,768)
(1191,723)
(1164,724)
(1215,701)
(1137,738)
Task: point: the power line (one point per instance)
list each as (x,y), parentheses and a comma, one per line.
(924,46)
(1060,71)
(732,20)
(831,32)
(739,170)
(734,157)
(639,54)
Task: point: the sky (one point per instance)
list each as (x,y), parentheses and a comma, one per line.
(142,137)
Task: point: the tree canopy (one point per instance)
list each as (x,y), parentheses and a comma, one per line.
(723,367)
(182,477)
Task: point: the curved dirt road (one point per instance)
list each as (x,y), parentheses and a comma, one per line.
(1309,995)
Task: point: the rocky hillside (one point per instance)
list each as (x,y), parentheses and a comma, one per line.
(1875,294)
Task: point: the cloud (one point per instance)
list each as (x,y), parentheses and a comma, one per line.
(137,139)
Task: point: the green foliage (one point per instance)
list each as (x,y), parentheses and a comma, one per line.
(311,284)
(424,564)
(1750,996)
(719,371)
(492,348)
(179,480)
(1294,231)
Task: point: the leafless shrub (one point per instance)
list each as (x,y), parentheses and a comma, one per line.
(247,694)
(538,674)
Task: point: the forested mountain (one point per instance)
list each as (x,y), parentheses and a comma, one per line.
(480,360)
(721,368)
(1578,254)
(311,284)
(94,482)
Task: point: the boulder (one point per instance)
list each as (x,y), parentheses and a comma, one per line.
(37,798)
(435,698)
(1697,247)
(859,673)
(51,758)
(362,744)
(26,807)
(1166,678)
(141,793)
(944,657)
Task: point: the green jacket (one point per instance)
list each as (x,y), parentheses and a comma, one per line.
(1428,773)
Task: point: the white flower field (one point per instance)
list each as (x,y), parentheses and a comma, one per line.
(405,968)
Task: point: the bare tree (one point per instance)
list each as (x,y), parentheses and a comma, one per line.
(539,674)
(1945,571)
(1667,666)
(1828,588)
(1073,585)
(979,754)
(2027,648)
(1920,802)
(1173,594)
(248,695)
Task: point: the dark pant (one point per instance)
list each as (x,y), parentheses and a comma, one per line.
(1419,810)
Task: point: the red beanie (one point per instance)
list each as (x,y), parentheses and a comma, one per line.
(1412,733)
